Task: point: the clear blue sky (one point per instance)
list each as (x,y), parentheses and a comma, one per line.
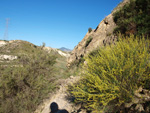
(58,23)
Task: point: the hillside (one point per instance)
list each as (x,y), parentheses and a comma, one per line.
(102,35)
(115,62)
(109,70)
(133,18)
(27,74)
(129,17)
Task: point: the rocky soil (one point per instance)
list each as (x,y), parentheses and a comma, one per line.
(61,98)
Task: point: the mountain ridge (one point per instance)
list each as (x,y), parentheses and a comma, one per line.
(102,35)
(15,43)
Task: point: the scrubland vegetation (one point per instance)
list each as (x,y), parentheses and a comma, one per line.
(133,18)
(113,73)
(26,81)
(109,76)
(89,29)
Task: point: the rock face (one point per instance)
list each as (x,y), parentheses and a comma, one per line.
(96,38)
(8,57)
(103,31)
(139,102)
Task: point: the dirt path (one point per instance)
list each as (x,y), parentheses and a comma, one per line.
(59,97)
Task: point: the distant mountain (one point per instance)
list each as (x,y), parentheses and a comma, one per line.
(65,49)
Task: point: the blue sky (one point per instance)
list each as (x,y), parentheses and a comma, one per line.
(58,23)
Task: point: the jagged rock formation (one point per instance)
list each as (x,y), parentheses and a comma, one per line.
(103,30)
(102,35)
(140,102)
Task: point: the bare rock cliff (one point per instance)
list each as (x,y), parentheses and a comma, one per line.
(102,35)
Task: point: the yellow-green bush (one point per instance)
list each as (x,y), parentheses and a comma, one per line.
(113,73)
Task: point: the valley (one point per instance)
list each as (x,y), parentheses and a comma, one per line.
(108,71)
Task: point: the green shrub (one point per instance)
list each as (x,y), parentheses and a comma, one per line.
(23,87)
(88,41)
(89,29)
(113,73)
(133,18)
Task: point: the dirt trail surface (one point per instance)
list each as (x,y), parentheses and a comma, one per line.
(60,98)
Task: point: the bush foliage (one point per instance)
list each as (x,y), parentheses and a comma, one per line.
(89,29)
(24,85)
(113,73)
(88,41)
(133,18)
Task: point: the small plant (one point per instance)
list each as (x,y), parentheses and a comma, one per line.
(88,41)
(90,29)
(108,34)
(43,44)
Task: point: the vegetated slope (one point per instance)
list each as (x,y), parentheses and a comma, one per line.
(133,18)
(98,37)
(116,76)
(27,74)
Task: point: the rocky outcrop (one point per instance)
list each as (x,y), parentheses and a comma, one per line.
(102,35)
(8,57)
(140,102)
(103,30)
(2,43)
